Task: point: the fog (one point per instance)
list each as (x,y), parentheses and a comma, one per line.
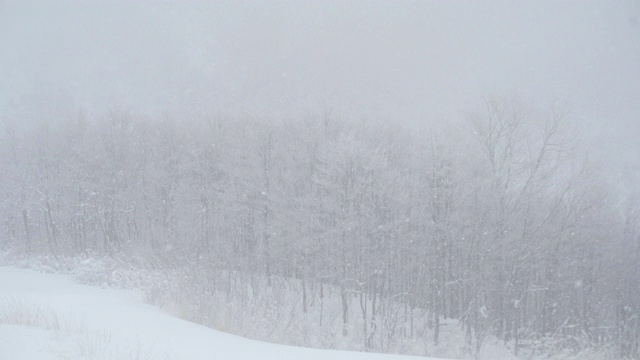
(298,169)
(407,62)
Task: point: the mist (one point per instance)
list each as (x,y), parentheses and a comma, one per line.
(409,61)
(175,85)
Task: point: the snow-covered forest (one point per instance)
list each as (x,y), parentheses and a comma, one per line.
(500,226)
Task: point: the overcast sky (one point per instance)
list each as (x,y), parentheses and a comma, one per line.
(410,62)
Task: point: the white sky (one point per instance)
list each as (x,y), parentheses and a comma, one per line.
(409,61)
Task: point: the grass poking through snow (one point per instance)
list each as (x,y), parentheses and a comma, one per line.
(76,339)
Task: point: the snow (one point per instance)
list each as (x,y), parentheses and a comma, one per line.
(48,316)
(21,342)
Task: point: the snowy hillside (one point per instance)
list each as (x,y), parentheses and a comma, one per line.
(45,316)
(437,179)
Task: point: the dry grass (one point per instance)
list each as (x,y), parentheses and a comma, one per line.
(84,343)
(14,312)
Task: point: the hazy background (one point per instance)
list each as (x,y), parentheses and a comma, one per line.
(409,62)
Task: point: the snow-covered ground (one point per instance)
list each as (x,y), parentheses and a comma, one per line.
(47,316)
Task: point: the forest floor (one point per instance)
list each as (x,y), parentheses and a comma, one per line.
(49,316)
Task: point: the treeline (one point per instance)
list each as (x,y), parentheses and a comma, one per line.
(499,222)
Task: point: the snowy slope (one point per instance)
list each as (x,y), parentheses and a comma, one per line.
(45,316)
